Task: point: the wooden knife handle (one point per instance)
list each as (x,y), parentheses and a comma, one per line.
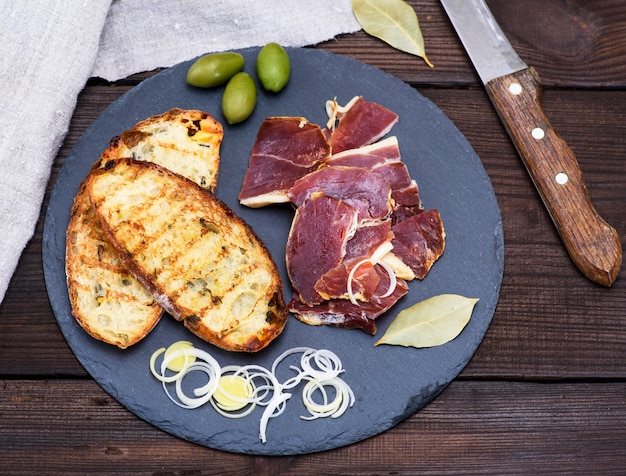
(593,244)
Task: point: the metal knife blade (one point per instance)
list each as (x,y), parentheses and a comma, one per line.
(515,90)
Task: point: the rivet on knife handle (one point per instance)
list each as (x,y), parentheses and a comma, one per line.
(593,244)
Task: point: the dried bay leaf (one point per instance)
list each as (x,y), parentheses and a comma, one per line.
(394,22)
(431,322)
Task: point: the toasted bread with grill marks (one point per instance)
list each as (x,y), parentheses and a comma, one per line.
(106,299)
(201,262)
(184,141)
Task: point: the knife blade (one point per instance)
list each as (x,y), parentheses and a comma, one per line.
(515,92)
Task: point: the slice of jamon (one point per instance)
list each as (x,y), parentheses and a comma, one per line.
(361,123)
(362,251)
(384,158)
(317,242)
(286,148)
(403,212)
(366,191)
(356,280)
(269,179)
(369,156)
(293,138)
(367,240)
(345,314)
(419,241)
(335,313)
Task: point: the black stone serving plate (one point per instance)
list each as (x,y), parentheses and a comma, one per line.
(390,383)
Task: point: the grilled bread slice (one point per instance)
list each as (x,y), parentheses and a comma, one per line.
(106,299)
(201,262)
(184,141)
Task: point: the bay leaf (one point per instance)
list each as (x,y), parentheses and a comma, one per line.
(393,21)
(431,322)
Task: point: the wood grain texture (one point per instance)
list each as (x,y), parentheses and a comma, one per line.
(592,243)
(545,391)
(571,43)
(472,428)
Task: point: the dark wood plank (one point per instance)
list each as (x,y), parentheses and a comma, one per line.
(472,428)
(545,303)
(570,43)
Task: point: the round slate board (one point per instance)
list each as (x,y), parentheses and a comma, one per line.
(390,383)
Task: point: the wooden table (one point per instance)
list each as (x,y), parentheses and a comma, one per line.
(546,390)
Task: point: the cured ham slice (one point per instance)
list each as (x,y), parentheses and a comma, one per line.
(419,241)
(353,280)
(360,123)
(268,180)
(367,240)
(317,243)
(335,313)
(361,253)
(286,148)
(369,156)
(343,313)
(384,158)
(293,138)
(366,191)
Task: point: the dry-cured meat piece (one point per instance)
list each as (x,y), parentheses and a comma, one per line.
(362,123)
(286,148)
(268,180)
(360,253)
(317,242)
(366,191)
(384,158)
(369,156)
(345,314)
(360,231)
(419,241)
(293,138)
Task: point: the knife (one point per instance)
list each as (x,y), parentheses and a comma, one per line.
(514,89)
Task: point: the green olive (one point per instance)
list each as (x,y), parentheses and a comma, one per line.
(214,69)
(273,67)
(239,98)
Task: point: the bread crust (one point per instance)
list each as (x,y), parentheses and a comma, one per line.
(200,261)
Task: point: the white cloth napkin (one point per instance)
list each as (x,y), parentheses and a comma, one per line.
(136,38)
(49,48)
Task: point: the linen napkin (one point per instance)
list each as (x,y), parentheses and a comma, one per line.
(49,48)
(136,38)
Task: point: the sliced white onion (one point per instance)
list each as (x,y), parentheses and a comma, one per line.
(319,368)
(275,407)
(351,295)
(327,362)
(344,398)
(375,259)
(393,282)
(248,403)
(202,394)
(161,375)
(295,380)
(335,111)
